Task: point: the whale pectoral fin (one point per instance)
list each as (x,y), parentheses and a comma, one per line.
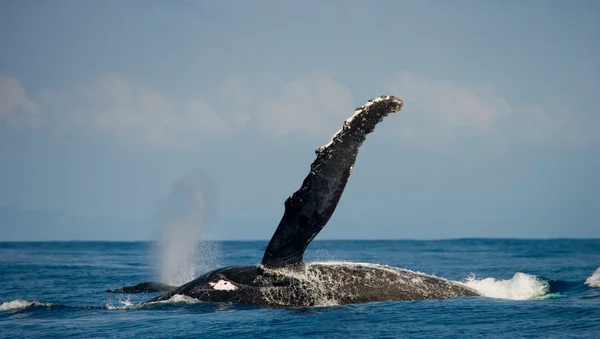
(145,287)
(309,209)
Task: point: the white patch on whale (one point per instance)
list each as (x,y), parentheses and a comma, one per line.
(223,285)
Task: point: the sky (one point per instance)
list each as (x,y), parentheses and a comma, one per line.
(120,117)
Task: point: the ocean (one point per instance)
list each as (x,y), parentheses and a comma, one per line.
(531,288)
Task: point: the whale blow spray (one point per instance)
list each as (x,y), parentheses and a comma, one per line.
(182,217)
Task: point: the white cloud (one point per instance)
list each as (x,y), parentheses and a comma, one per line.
(15,108)
(128,109)
(441,109)
(311,105)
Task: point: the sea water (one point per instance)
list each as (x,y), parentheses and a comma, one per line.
(530,288)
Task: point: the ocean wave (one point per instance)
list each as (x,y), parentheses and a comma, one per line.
(19,304)
(521,286)
(594,280)
(125,304)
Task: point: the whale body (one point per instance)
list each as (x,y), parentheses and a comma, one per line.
(317,284)
(282,278)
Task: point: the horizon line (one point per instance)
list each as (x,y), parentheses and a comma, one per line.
(316,240)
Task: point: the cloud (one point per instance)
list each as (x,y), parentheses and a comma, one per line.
(442,109)
(311,105)
(15,108)
(130,110)
(436,113)
(113,105)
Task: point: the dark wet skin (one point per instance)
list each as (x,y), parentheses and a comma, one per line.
(145,287)
(318,284)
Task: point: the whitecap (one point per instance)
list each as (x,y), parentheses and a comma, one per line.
(20,304)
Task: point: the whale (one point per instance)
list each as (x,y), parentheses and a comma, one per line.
(282,278)
(145,287)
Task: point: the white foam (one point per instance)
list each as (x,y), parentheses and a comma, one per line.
(175,299)
(521,286)
(21,304)
(125,305)
(594,280)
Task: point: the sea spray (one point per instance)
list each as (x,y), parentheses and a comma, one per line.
(20,304)
(521,286)
(594,279)
(184,251)
(125,304)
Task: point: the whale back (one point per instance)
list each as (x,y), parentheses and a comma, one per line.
(308,209)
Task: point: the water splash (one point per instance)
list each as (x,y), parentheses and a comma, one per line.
(594,280)
(20,304)
(521,286)
(125,304)
(184,251)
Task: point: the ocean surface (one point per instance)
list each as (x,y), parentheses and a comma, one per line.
(532,288)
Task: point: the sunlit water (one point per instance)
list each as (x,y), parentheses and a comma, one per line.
(532,288)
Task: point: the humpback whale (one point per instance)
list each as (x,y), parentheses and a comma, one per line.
(282,278)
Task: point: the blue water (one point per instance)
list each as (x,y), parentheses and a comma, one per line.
(56,290)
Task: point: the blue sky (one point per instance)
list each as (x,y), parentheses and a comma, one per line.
(117,118)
